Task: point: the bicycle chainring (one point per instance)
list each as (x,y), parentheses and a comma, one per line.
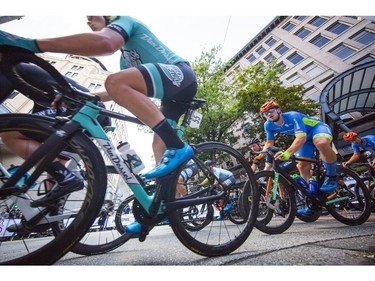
(143,217)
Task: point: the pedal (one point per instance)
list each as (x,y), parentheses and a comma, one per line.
(145,230)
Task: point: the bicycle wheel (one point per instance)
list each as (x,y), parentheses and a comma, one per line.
(350,203)
(107,232)
(302,202)
(218,237)
(278,212)
(62,224)
(234,214)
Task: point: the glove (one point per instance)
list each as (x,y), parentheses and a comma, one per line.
(285,155)
(17,41)
(258,157)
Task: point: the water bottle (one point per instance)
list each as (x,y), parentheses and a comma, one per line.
(130,157)
(313,186)
(300,180)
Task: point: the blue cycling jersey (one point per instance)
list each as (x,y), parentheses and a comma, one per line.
(141,45)
(221,174)
(297,124)
(369,143)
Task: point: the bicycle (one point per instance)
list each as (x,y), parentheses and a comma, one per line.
(367,174)
(59,133)
(349,203)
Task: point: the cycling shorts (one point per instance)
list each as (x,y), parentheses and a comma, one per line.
(308,149)
(170,83)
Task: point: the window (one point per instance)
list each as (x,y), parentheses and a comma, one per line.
(342,51)
(312,70)
(295,79)
(71,74)
(270,42)
(269,58)
(94,86)
(299,17)
(251,58)
(338,28)
(365,59)
(260,50)
(318,21)
(283,66)
(302,33)
(320,40)
(365,37)
(295,58)
(289,26)
(282,49)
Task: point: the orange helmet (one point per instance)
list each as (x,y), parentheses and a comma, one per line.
(269,104)
(350,136)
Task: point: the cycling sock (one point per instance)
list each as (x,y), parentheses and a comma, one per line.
(330,168)
(60,173)
(168,134)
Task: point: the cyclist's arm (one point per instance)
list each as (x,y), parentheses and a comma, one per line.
(355,157)
(97,43)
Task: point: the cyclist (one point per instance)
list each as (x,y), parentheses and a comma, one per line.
(149,69)
(256,147)
(225,177)
(358,143)
(189,171)
(309,132)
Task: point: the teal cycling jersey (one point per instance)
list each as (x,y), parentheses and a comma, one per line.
(141,45)
(297,124)
(369,142)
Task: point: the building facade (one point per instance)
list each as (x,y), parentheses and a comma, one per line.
(312,50)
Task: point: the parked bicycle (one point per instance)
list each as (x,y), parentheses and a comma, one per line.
(349,203)
(82,207)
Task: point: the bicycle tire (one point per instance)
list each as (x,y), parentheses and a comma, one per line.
(282,217)
(100,240)
(357,208)
(207,241)
(81,206)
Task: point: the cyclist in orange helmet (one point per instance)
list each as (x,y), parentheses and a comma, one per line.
(358,143)
(310,133)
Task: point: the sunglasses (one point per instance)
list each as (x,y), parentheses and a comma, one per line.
(271,110)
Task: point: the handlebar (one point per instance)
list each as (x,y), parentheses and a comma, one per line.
(12,56)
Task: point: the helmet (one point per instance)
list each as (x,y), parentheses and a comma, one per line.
(349,136)
(265,107)
(253,140)
(208,163)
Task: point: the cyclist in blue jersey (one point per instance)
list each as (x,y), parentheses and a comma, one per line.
(358,143)
(149,70)
(225,177)
(309,132)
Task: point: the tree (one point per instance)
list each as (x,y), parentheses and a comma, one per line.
(259,83)
(220,111)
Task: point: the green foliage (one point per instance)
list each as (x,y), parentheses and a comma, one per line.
(220,111)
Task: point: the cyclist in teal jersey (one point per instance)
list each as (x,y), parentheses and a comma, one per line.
(149,70)
(308,132)
(358,143)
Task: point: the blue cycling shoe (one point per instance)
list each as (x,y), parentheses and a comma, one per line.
(218,218)
(171,159)
(305,211)
(329,184)
(134,228)
(228,207)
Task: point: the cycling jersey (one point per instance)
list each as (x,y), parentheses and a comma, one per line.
(369,143)
(141,45)
(168,77)
(225,177)
(299,124)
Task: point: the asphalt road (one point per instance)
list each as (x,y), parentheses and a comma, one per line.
(324,242)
